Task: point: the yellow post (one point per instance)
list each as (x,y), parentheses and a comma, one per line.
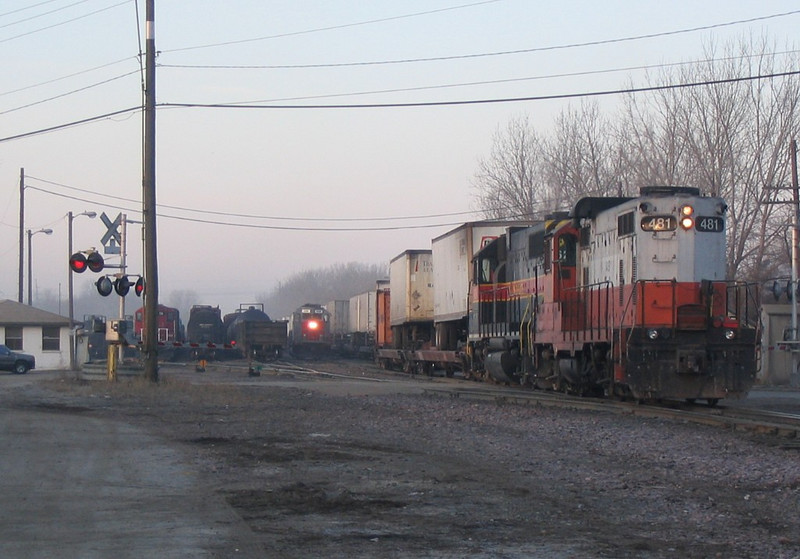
(112,362)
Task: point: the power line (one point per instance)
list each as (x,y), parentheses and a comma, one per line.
(627,91)
(43,14)
(68,93)
(266,227)
(514,80)
(461,56)
(69,124)
(233,214)
(487,101)
(24,8)
(65,22)
(3,93)
(329,28)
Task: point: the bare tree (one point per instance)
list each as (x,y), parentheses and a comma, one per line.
(322,285)
(510,183)
(728,139)
(582,159)
(726,136)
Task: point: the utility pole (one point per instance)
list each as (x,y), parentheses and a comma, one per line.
(149,201)
(21,228)
(794,376)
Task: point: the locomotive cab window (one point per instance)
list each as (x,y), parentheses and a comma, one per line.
(566,249)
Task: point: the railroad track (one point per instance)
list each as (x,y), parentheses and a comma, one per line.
(783,428)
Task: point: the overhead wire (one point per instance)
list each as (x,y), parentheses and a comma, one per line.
(551,97)
(43,14)
(65,22)
(233,214)
(329,28)
(477,55)
(588,94)
(514,80)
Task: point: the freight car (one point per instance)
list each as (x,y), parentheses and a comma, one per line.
(258,337)
(205,325)
(623,296)
(310,330)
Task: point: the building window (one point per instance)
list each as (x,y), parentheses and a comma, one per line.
(14,338)
(51,338)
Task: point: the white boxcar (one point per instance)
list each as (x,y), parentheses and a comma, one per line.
(363,313)
(452,270)
(340,316)
(411,285)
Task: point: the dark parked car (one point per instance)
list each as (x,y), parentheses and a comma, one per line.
(20,363)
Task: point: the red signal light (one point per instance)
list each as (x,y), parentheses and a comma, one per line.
(77,262)
(95,261)
(138,287)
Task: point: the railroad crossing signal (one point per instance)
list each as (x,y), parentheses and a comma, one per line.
(112,239)
(79,262)
(121,285)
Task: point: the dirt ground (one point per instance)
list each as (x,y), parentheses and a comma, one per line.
(323,467)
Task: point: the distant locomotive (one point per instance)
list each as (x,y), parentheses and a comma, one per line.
(168,324)
(310,330)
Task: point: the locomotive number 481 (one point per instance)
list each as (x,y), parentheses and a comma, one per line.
(710,224)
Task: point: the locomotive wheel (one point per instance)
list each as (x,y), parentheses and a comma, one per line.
(712,402)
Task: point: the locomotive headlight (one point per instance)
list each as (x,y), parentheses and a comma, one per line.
(312,324)
(652,334)
(730,334)
(687,221)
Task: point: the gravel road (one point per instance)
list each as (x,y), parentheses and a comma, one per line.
(319,468)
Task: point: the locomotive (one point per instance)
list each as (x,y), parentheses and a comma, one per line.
(310,330)
(168,322)
(623,296)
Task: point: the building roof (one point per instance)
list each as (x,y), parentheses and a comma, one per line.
(18,314)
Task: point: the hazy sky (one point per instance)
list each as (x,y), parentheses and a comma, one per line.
(247,196)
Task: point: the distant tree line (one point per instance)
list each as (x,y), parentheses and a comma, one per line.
(321,285)
(729,139)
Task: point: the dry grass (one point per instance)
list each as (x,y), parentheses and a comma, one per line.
(168,391)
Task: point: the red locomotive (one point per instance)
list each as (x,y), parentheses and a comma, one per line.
(623,296)
(168,321)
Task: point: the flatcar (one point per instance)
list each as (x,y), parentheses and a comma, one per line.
(624,296)
(310,330)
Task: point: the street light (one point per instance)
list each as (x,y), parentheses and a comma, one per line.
(30,259)
(70,219)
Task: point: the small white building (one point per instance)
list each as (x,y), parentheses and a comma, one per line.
(43,334)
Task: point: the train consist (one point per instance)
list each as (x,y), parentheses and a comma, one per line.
(622,296)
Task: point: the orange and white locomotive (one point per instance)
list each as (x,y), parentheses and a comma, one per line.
(623,296)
